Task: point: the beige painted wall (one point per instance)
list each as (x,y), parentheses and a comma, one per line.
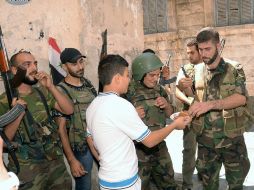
(76,23)
(189,17)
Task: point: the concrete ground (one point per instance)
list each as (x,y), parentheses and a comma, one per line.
(175,146)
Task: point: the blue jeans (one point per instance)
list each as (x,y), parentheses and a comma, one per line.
(86,159)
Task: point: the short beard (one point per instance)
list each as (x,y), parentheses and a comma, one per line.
(77,75)
(27,81)
(213,58)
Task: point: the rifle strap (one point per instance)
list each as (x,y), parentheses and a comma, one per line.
(44,101)
(90,86)
(66,91)
(11,150)
(69,95)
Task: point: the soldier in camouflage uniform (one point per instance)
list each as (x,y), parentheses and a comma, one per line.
(152,104)
(221,117)
(186,95)
(75,141)
(38,150)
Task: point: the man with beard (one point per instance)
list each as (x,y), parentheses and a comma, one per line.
(185,93)
(153,106)
(221,115)
(75,141)
(38,146)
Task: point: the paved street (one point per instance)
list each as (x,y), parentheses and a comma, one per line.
(174,143)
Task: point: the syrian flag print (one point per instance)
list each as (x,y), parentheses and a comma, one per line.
(57,72)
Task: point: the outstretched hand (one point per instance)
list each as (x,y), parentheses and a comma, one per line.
(182,122)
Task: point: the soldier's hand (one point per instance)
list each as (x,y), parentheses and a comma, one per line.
(182,122)
(77,169)
(185,83)
(161,102)
(141,111)
(165,72)
(198,108)
(44,79)
(16,101)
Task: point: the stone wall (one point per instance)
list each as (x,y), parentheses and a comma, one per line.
(76,23)
(190,17)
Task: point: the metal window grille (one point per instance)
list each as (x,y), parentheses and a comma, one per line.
(234,12)
(155,16)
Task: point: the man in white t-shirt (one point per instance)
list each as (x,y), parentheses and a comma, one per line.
(114,123)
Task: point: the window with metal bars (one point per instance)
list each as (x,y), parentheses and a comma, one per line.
(234,12)
(155,16)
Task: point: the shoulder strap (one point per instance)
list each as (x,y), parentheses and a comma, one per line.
(90,86)
(44,101)
(66,91)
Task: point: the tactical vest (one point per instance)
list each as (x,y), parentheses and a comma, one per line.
(139,95)
(235,120)
(38,136)
(81,98)
(155,118)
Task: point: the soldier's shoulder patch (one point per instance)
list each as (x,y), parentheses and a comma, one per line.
(235,64)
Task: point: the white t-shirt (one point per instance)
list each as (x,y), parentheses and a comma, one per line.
(114,123)
(180,75)
(198,69)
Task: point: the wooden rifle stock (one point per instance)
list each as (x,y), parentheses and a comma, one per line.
(5,69)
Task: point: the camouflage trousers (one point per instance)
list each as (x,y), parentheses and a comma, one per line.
(189,160)
(156,165)
(234,158)
(44,175)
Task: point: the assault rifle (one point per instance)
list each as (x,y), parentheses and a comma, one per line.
(163,82)
(6,75)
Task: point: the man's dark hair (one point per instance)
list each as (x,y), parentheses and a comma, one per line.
(192,42)
(13,60)
(148,51)
(207,34)
(109,67)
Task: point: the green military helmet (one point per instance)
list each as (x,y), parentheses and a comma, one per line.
(145,63)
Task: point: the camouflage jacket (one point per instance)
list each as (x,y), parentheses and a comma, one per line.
(37,138)
(139,95)
(81,96)
(227,79)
